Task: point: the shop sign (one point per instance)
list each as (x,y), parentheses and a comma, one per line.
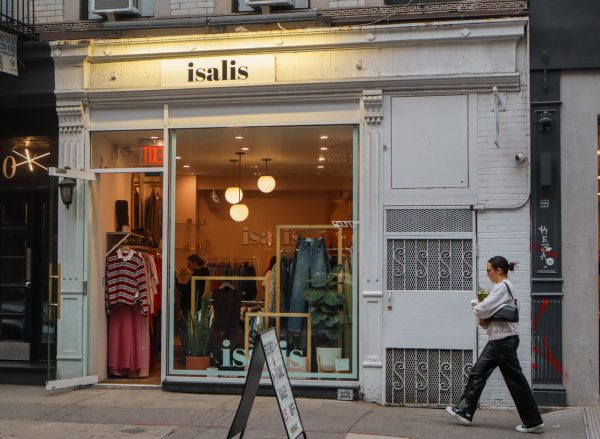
(218,71)
(8,54)
(10,164)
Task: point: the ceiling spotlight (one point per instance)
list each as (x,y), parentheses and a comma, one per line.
(323,148)
(320,167)
(154,137)
(321,159)
(324,137)
(239,137)
(178,157)
(186,166)
(245,148)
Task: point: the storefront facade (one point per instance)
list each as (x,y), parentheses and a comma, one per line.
(393,150)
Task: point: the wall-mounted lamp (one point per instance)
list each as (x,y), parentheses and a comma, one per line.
(66,187)
(545,121)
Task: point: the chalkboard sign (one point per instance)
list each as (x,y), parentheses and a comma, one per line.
(266,350)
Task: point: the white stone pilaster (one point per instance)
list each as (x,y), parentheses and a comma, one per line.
(370,247)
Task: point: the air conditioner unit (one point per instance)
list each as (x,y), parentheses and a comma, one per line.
(116,7)
(256,4)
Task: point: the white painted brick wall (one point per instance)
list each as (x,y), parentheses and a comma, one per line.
(505,232)
(48,11)
(346,3)
(187,7)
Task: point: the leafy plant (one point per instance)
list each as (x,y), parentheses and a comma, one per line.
(199,331)
(326,305)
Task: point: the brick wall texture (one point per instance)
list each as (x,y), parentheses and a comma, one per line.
(188,7)
(48,11)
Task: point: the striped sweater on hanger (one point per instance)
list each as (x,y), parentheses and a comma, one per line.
(126,280)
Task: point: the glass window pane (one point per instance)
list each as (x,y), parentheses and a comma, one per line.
(127,149)
(11,328)
(280,257)
(13,242)
(12,271)
(12,300)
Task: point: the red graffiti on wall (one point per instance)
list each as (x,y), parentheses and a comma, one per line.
(546,352)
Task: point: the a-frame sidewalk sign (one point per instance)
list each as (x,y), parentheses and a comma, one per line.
(266,350)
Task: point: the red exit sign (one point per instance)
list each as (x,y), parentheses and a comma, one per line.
(153,155)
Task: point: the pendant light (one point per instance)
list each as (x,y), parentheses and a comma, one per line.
(233,194)
(266,183)
(239,211)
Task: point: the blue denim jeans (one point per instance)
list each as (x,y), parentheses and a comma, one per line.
(310,269)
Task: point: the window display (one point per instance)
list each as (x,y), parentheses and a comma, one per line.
(277,254)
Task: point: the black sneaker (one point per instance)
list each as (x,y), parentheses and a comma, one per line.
(459,414)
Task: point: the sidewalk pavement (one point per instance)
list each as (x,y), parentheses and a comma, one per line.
(101,412)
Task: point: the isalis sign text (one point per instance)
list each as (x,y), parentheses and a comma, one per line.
(218,71)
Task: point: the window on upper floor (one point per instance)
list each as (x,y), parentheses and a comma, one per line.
(252,5)
(121,8)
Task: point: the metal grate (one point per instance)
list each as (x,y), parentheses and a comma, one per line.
(429,221)
(434,377)
(430,264)
(546,349)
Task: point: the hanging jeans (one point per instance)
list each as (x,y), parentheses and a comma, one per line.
(503,354)
(310,268)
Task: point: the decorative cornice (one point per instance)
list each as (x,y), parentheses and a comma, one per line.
(323,90)
(70,117)
(373,106)
(394,13)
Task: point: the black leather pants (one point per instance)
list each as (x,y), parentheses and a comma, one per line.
(502,354)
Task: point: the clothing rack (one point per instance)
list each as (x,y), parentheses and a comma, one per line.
(125,238)
(233,259)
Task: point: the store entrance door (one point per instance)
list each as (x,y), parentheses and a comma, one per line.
(16,301)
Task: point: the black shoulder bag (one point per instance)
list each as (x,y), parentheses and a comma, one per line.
(507,313)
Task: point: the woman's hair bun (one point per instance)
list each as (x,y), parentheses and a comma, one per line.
(511,266)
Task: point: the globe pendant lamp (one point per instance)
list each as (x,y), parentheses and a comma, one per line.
(233,194)
(239,211)
(266,183)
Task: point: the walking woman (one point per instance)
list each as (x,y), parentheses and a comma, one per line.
(500,351)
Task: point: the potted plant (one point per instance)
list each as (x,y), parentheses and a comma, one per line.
(326,305)
(198,357)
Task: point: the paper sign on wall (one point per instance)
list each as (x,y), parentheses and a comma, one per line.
(8,54)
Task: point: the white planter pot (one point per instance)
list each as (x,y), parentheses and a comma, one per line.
(326,358)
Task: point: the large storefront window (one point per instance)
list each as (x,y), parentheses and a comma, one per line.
(263,236)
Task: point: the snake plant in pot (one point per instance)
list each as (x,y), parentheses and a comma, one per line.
(326,306)
(198,357)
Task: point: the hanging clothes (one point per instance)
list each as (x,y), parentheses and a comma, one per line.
(227,303)
(126,280)
(153,215)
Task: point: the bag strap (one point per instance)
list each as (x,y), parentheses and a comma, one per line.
(509,291)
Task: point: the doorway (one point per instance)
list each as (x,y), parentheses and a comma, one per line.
(26,334)
(130,225)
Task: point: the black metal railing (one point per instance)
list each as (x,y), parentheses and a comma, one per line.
(17,16)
